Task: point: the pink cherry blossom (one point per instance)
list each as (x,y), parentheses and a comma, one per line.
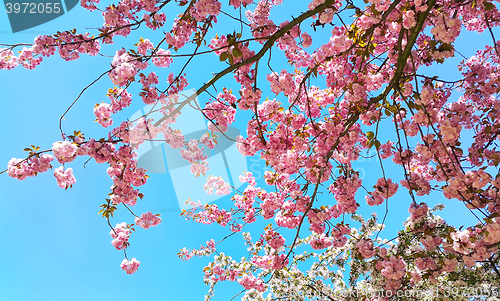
(120,234)
(131,266)
(147,220)
(65,178)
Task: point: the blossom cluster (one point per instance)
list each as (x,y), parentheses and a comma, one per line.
(130,266)
(21,169)
(218,184)
(147,220)
(120,234)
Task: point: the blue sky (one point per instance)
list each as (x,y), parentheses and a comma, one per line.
(54,246)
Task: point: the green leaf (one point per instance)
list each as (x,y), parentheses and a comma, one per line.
(223,56)
(370,135)
(445,47)
(237,52)
(489,6)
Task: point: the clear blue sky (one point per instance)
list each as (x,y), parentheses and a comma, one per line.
(53,244)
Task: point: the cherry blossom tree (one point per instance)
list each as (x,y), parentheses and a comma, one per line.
(325,109)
